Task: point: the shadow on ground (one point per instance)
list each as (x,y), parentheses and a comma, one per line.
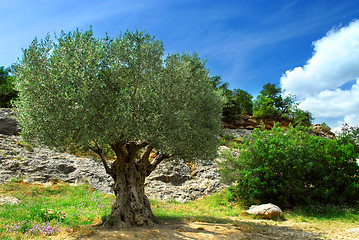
(237,229)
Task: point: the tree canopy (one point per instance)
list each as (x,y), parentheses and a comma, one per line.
(238,102)
(270,104)
(83,90)
(123,93)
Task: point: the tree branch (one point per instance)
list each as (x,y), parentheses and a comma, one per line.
(146,155)
(135,146)
(121,152)
(158,159)
(99,152)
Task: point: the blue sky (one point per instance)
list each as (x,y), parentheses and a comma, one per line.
(247,43)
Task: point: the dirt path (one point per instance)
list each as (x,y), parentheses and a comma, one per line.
(254,229)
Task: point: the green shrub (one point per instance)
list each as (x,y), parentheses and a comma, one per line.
(349,134)
(291,167)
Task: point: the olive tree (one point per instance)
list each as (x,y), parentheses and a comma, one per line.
(123,94)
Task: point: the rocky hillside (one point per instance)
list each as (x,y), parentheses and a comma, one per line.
(249,123)
(181,182)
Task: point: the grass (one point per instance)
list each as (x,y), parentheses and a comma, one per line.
(50,210)
(63,209)
(212,209)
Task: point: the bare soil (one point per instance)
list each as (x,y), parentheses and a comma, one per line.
(248,229)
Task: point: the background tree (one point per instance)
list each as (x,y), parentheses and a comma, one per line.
(237,102)
(299,116)
(118,92)
(7,91)
(271,91)
(270,104)
(217,84)
(263,107)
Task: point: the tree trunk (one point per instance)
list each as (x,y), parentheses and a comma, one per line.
(132,207)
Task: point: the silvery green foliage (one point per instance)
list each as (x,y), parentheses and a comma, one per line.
(80,91)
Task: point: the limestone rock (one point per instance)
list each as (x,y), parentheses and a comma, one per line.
(42,165)
(237,133)
(268,211)
(183,182)
(5,199)
(246,124)
(321,131)
(170,181)
(8,125)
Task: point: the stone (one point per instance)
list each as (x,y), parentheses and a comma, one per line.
(267,211)
(237,133)
(5,199)
(8,125)
(183,182)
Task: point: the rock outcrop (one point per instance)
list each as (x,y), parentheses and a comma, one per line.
(321,131)
(183,182)
(8,125)
(170,181)
(42,165)
(249,123)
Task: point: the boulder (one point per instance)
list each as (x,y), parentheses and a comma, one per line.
(5,199)
(267,211)
(8,125)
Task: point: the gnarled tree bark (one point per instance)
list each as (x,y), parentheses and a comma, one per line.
(129,170)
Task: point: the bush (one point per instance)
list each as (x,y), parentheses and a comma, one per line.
(291,167)
(349,134)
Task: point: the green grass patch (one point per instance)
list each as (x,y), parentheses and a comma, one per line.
(50,210)
(213,209)
(321,212)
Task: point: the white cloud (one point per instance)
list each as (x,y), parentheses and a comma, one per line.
(335,62)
